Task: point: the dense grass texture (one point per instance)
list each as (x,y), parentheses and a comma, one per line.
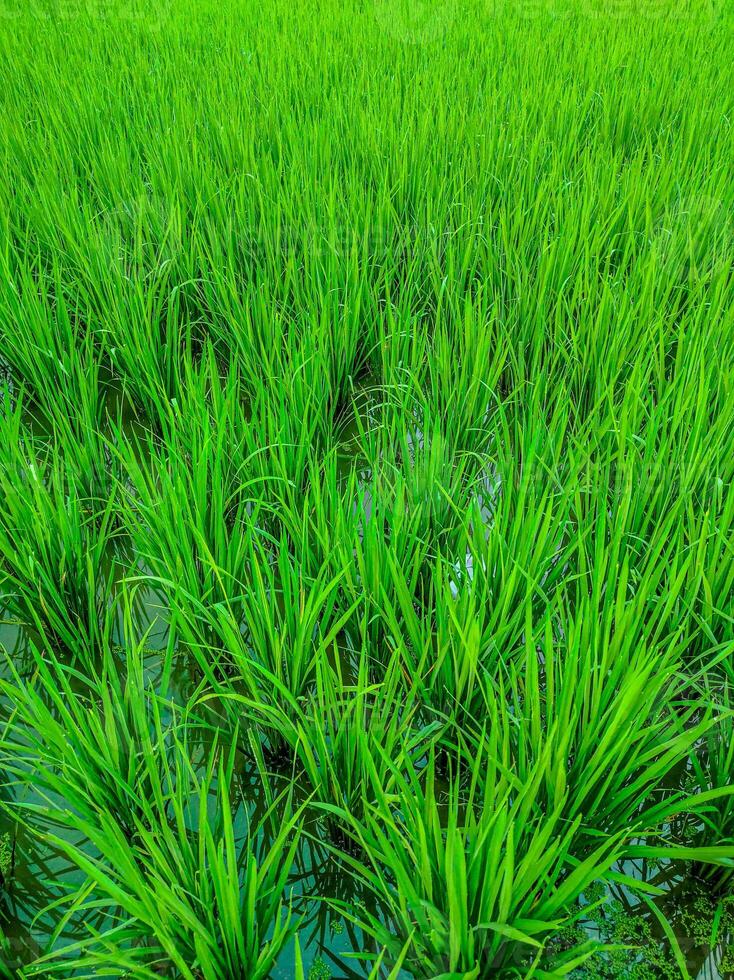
(366,487)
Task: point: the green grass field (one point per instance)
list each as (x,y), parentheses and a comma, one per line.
(366,489)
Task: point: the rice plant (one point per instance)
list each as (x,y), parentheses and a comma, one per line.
(478,882)
(109,773)
(710,767)
(55,542)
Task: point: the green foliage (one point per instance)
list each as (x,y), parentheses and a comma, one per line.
(377,359)
(479,878)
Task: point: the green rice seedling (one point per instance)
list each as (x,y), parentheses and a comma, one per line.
(711,768)
(109,772)
(455,387)
(183,893)
(445,645)
(291,622)
(91,738)
(390,531)
(190,501)
(148,332)
(474,882)
(400,512)
(292,330)
(291,425)
(323,526)
(44,337)
(511,548)
(609,706)
(347,738)
(54,543)
(286,623)
(240,597)
(208,477)
(661,508)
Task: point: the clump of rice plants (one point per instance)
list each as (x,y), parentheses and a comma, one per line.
(55,543)
(366,486)
(479,880)
(347,740)
(147,815)
(711,765)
